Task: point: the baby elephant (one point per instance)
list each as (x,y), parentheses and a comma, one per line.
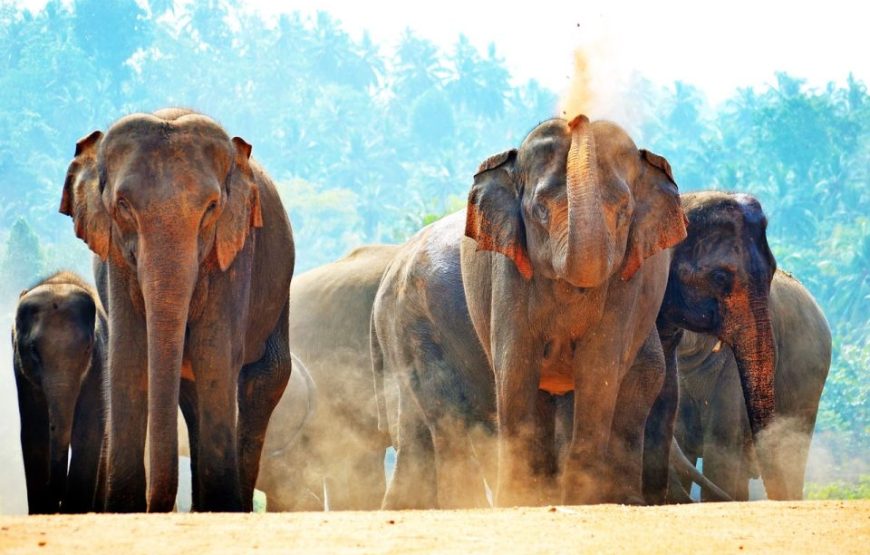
(58,343)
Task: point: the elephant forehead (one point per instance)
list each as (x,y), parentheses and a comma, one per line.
(56,319)
(145,126)
(610,137)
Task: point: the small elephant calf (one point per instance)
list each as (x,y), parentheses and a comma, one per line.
(58,341)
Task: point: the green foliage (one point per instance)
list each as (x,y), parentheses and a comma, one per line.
(839,489)
(22,263)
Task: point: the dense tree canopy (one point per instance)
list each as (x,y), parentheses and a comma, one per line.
(367,146)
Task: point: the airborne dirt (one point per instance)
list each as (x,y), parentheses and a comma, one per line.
(758,527)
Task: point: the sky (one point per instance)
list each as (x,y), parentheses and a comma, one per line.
(716,46)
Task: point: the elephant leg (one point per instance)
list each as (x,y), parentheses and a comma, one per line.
(34,445)
(369,479)
(441,395)
(413,485)
(660,424)
(358,483)
(564,427)
(723,451)
(484,445)
(102,471)
(596,391)
(516,383)
(217,465)
(288,480)
(261,385)
(689,435)
(127,400)
(640,389)
(187,402)
(544,457)
(794,449)
(87,437)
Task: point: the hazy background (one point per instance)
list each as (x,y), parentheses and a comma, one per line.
(372,117)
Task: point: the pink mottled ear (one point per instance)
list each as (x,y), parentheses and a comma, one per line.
(493,213)
(241,211)
(82,196)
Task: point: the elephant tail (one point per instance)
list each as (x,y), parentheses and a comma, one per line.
(312,394)
(377,356)
(685,467)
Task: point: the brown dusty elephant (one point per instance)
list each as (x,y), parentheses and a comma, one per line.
(198,256)
(560,277)
(712,421)
(719,285)
(59,342)
(341,444)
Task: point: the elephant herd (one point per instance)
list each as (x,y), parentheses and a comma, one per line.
(581,333)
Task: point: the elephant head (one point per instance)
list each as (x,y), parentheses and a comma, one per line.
(53,340)
(576,202)
(166,198)
(720,285)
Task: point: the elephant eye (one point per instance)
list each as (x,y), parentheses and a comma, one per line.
(209,210)
(721,277)
(540,212)
(124,206)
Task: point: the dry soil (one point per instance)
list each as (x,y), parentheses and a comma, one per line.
(813,527)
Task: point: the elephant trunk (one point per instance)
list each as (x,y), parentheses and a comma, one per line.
(751,338)
(61,410)
(167,277)
(586,252)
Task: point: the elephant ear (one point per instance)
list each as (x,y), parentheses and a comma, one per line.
(82,198)
(659,222)
(493,216)
(242,208)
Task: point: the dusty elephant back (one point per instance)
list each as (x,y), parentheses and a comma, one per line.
(803,342)
(330,309)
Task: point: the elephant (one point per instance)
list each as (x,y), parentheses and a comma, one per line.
(719,285)
(197,254)
(712,420)
(59,342)
(341,444)
(558,269)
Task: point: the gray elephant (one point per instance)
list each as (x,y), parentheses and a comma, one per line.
(560,278)
(720,286)
(59,344)
(197,257)
(340,447)
(712,421)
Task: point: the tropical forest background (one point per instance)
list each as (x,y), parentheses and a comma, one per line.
(367,144)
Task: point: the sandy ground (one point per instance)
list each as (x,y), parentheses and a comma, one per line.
(760,527)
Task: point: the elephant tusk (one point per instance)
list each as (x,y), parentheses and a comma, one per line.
(717,346)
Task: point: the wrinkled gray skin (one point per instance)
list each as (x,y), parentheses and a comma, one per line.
(580,216)
(196,260)
(340,450)
(719,285)
(712,421)
(59,342)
